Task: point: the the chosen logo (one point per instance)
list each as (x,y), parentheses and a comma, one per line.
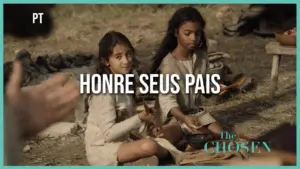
(228,143)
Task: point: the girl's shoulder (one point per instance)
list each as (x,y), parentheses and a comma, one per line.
(168,59)
(167,64)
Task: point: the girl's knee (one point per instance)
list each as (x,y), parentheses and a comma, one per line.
(149,146)
(172,132)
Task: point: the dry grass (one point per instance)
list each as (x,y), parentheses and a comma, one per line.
(80,27)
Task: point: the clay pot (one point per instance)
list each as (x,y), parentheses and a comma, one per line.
(217,69)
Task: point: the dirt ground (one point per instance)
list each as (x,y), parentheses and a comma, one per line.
(80,27)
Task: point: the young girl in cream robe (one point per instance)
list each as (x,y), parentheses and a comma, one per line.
(112,116)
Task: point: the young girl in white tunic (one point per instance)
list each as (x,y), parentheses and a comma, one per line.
(183,51)
(112,116)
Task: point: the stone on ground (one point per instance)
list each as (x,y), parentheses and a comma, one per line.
(58,129)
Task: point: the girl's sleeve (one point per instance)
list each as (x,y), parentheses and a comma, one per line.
(166,101)
(102,107)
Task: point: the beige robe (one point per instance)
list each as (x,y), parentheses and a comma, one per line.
(186,102)
(111,118)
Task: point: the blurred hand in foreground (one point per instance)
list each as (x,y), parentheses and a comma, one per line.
(37,107)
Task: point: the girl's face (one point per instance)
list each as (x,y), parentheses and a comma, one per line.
(188,35)
(120,61)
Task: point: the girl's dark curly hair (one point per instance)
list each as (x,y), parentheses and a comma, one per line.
(106,45)
(169,42)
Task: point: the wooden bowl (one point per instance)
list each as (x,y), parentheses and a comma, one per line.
(285,40)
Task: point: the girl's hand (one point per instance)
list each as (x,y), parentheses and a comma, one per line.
(223,89)
(43,104)
(155,131)
(147,117)
(191,123)
(291,32)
